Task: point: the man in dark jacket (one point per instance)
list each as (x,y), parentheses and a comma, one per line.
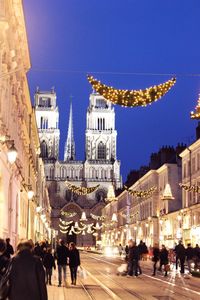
(74,262)
(49,264)
(164,259)
(4,261)
(189,253)
(133,258)
(180,256)
(9,249)
(156,257)
(27,277)
(196,255)
(62,253)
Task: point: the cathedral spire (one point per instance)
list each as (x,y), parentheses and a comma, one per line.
(70,144)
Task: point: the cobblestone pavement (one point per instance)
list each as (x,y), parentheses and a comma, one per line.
(103,283)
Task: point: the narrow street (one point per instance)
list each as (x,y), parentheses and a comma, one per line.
(102,282)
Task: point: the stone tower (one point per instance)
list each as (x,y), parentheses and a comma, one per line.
(47,117)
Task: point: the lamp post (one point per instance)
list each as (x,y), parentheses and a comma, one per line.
(12,152)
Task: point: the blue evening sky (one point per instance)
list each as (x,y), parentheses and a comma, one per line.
(119,36)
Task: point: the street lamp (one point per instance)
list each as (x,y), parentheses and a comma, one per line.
(12,152)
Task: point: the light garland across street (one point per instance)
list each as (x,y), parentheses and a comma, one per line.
(141,193)
(81,190)
(131,98)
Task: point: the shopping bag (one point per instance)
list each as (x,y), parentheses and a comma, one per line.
(82,273)
(122,268)
(167,268)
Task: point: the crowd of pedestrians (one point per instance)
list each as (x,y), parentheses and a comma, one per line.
(161,257)
(25,273)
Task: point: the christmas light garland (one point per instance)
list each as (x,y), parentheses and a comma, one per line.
(97,218)
(65,222)
(131,98)
(81,190)
(68,214)
(142,193)
(196,114)
(190,188)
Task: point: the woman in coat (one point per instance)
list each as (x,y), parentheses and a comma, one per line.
(74,262)
(27,276)
(164,259)
(155,258)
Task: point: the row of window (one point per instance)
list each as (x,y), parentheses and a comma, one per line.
(191,167)
(72,173)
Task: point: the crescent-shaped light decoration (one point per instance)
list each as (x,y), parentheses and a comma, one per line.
(141,193)
(81,190)
(131,98)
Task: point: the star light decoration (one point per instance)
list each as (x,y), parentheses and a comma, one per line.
(141,193)
(80,190)
(131,98)
(196,114)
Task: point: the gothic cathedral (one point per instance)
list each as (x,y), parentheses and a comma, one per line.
(100,166)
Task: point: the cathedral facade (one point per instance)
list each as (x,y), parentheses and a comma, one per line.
(100,166)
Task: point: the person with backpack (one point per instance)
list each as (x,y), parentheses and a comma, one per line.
(49,264)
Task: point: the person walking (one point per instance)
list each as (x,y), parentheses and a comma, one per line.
(62,253)
(9,249)
(74,262)
(196,255)
(189,253)
(120,249)
(49,264)
(27,276)
(4,261)
(126,252)
(156,257)
(180,256)
(133,258)
(164,259)
(38,250)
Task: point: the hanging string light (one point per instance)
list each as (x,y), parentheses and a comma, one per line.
(65,222)
(196,114)
(63,227)
(189,188)
(98,218)
(81,190)
(141,193)
(131,98)
(68,214)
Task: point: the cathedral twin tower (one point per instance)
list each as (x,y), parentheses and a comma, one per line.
(100,165)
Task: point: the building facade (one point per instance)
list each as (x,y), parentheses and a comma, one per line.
(17,129)
(151,217)
(190,214)
(100,167)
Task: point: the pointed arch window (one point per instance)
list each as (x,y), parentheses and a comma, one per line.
(44,149)
(101,151)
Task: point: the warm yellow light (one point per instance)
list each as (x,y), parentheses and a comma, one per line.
(12,154)
(30,194)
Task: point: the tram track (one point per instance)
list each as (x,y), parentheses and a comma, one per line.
(163,282)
